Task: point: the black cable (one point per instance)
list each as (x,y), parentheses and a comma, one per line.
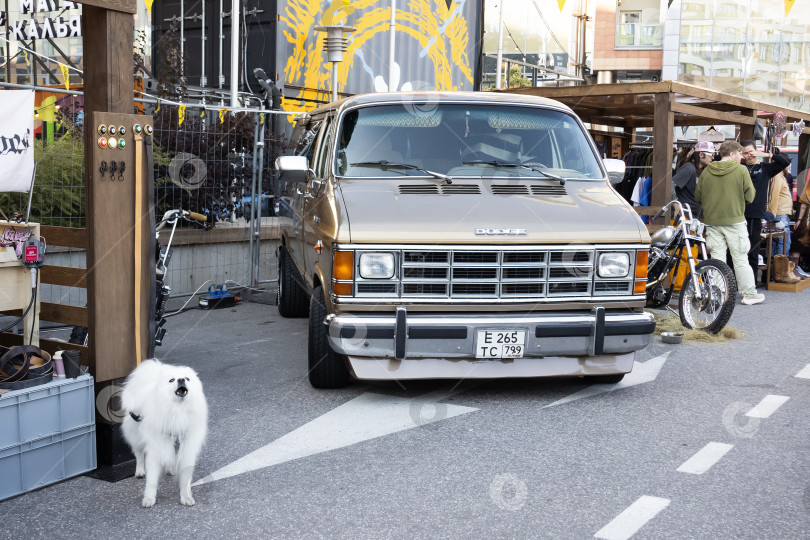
(15,323)
(33,322)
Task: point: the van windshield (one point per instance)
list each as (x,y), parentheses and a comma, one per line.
(463,140)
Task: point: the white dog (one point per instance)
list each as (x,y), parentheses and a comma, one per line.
(165,424)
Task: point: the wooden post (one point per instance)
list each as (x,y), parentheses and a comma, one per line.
(663,137)
(747,130)
(108,31)
(108,84)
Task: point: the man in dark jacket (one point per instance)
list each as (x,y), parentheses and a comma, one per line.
(761,174)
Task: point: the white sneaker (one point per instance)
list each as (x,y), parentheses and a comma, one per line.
(751,299)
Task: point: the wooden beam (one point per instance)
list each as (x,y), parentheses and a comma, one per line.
(124,6)
(65,236)
(49,345)
(712,115)
(617,89)
(663,138)
(108,85)
(61,313)
(64,275)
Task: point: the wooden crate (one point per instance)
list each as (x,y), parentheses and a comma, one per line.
(15,281)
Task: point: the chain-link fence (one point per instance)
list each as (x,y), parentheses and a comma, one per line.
(208,160)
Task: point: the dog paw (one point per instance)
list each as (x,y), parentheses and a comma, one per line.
(148,502)
(140,474)
(187,501)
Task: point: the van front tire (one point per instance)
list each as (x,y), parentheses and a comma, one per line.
(291,296)
(327,369)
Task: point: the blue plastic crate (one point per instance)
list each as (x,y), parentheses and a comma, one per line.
(47,434)
(48,409)
(38,463)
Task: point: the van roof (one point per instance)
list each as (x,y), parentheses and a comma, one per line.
(441,96)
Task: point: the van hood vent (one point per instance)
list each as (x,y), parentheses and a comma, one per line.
(538,190)
(433,189)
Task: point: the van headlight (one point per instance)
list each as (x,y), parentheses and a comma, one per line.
(376,265)
(612,265)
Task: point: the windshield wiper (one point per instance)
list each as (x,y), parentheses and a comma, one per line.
(385,164)
(499,163)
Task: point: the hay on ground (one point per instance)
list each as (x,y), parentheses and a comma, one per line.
(667,322)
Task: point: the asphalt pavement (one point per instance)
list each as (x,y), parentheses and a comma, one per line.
(701,441)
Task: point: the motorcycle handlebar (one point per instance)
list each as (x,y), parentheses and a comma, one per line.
(197,217)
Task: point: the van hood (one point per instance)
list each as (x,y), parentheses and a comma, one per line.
(487,211)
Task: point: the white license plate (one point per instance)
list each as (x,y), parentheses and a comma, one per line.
(500,343)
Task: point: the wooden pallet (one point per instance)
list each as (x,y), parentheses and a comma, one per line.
(789,287)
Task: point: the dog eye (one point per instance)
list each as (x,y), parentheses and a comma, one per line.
(171,380)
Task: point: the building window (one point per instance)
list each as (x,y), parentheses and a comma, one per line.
(638,29)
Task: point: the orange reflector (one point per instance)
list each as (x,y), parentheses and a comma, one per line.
(343,267)
(342,289)
(642,259)
(640,287)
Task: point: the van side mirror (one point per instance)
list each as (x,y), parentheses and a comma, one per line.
(293,168)
(615,169)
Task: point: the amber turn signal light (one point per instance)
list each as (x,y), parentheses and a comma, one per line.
(642,261)
(342,289)
(343,265)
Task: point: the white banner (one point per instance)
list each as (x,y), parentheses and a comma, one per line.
(16,139)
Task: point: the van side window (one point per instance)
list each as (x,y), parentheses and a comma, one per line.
(305,144)
(323,144)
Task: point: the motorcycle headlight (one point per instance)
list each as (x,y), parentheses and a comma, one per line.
(695,227)
(376,265)
(613,265)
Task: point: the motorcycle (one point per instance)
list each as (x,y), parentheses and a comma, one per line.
(161,291)
(709,292)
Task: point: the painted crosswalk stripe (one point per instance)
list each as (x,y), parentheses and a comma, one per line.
(633,518)
(767,406)
(705,458)
(804,373)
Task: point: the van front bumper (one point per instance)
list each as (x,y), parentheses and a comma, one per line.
(405,346)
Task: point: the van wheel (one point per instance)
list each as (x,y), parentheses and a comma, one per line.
(327,369)
(291,297)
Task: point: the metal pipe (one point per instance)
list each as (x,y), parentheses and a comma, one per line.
(251,246)
(258,232)
(221,37)
(203,80)
(500,49)
(391,46)
(183,39)
(235,53)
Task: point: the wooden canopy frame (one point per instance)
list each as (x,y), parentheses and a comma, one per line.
(662,106)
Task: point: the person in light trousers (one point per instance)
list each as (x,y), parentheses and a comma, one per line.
(724,189)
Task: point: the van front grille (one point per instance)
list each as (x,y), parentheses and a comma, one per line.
(523,274)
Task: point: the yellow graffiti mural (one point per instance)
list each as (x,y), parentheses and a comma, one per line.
(431,24)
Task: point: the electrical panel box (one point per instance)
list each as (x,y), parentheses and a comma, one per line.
(117,139)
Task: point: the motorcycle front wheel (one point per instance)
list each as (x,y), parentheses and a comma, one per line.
(711,310)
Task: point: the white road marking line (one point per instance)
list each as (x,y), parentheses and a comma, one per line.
(767,406)
(705,458)
(804,373)
(642,373)
(364,418)
(633,518)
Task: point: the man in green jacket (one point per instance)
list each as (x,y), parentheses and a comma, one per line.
(724,189)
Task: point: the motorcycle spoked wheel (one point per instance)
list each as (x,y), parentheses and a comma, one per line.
(712,311)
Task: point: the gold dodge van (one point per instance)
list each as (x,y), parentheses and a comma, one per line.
(458,235)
